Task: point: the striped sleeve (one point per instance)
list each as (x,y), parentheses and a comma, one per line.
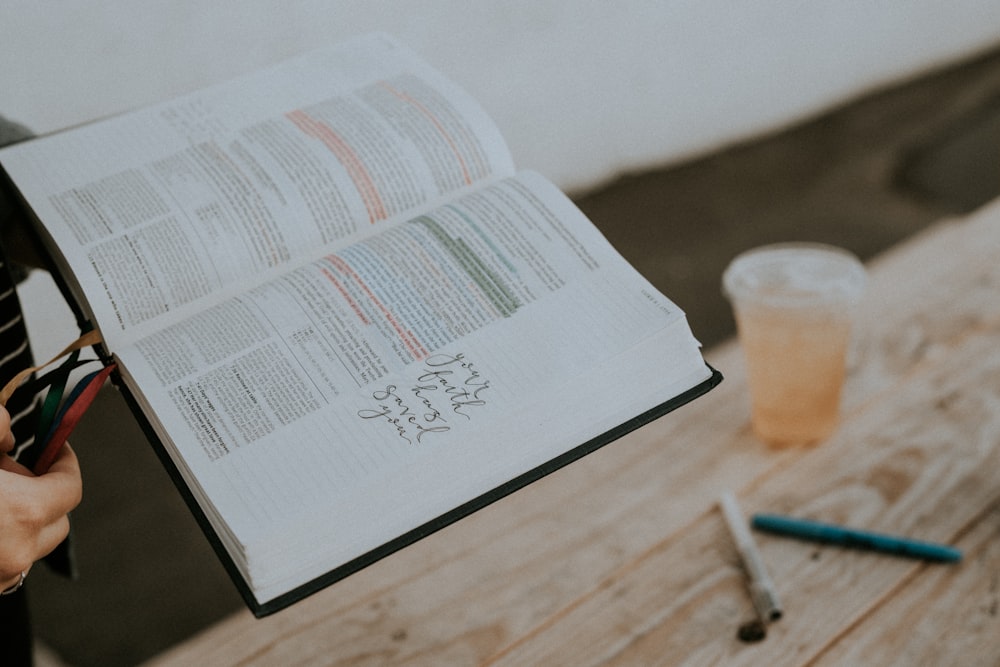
(15,356)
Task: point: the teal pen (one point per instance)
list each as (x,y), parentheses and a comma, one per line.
(851,537)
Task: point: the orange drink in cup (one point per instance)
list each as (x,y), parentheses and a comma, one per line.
(794,306)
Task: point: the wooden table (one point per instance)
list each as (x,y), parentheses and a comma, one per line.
(624,559)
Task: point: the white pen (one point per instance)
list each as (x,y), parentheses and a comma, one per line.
(762,592)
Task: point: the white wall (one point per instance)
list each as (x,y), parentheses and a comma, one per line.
(582,89)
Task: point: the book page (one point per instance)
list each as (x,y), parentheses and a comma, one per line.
(377,387)
(163,207)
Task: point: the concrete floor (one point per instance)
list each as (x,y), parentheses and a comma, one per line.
(863,177)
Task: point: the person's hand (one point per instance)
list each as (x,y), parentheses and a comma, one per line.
(33,510)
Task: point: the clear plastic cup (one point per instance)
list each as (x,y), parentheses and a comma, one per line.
(794,305)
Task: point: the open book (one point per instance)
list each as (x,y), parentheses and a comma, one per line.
(343,317)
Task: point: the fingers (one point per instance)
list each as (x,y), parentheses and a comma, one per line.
(60,489)
(6,435)
(24,544)
(49,496)
(51,536)
(35,518)
(63,479)
(7,445)
(32,546)
(12,581)
(10,465)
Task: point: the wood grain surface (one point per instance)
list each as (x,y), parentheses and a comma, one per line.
(624,559)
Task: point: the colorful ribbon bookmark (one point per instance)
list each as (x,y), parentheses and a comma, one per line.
(76,404)
(59,417)
(90,338)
